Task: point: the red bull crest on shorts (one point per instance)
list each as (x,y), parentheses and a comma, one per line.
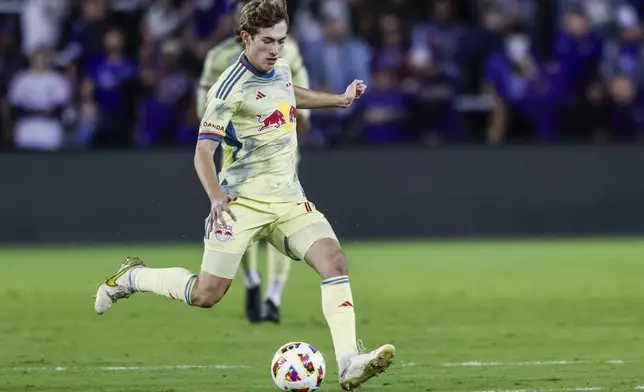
(224,233)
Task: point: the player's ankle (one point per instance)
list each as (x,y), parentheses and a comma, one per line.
(252,278)
(132,278)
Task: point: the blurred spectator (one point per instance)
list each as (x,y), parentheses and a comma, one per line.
(638,6)
(41,23)
(163,19)
(339,59)
(88,114)
(391,47)
(9,65)
(37,97)
(384,110)
(435,43)
(83,37)
(210,23)
(627,114)
(114,78)
(522,91)
(578,52)
(598,12)
(478,44)
(128,15)
(624,55)
(444,71)
(169,90)
(434,63)
(309,26)
(342,58)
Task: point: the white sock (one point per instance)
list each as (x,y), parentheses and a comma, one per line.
(252,278)
(249,265)
(175,283)
(274,292)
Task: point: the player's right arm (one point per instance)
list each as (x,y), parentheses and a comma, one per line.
(212,131)
(310,99)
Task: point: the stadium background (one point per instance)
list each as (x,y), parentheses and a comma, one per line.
(516,123)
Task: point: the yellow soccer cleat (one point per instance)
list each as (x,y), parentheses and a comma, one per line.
(118,286)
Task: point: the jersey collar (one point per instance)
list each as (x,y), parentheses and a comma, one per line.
(253,69)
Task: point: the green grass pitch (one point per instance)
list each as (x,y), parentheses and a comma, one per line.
(464,316)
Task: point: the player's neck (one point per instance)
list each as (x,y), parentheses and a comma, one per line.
(253,65)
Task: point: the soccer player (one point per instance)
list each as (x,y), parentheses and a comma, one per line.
(217,61)
(252,109)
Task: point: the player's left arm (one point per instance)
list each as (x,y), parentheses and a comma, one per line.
(310,99)
(219,113)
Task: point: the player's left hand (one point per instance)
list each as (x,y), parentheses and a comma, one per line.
(218,206)
(355,91)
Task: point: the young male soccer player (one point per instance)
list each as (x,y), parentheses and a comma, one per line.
(260,193)
(217,61)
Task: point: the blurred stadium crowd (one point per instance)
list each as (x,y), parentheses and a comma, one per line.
(92,74)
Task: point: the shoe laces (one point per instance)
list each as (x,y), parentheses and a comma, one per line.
(361,348)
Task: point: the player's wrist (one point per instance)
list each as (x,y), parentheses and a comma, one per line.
(217,196)
(343,101)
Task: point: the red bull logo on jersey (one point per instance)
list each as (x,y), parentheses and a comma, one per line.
(224,233)
(285,117)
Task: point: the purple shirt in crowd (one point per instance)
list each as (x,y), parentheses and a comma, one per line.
(166,106)
(389,131)
(537,97)
(578,59)
(109,77)
(207,14)
(627,121)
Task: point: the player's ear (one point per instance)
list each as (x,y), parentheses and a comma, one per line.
(245,38)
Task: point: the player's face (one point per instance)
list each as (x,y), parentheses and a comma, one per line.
(265,47)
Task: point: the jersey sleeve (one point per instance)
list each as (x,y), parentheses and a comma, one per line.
(218,113)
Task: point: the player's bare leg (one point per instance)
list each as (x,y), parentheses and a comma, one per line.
(327,258)
(278,269)
(204,290)
(252,283)
(208,290)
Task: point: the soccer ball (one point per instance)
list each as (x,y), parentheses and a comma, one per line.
(298,367)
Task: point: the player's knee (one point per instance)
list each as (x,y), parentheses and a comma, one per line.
(338,264)
(206,300)
(327,258)
(209,296)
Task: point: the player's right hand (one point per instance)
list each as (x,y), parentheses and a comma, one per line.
(218,206)
(354,91)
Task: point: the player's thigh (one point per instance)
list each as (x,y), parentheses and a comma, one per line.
(299,228)
(224,246)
